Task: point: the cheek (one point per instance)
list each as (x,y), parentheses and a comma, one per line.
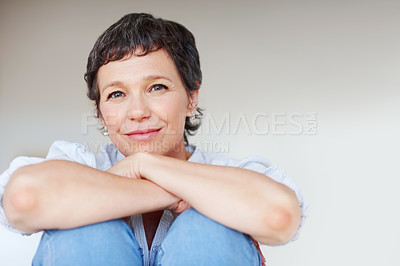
(111,116)
(174,114)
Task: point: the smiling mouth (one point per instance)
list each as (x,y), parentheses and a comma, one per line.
(143,135)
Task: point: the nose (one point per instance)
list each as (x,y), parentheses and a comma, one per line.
(138,109)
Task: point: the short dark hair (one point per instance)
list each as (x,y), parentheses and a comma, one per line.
(143,31)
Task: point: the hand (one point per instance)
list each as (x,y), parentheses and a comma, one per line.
(127,167)
(180,207)
(131,167)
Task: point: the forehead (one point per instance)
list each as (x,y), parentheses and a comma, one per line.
(135,68)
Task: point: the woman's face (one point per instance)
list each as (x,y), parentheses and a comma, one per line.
(143,103)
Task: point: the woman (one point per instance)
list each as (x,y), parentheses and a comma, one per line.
(149,197)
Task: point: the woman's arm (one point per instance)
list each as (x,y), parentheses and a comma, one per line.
(63,194)
(237,198)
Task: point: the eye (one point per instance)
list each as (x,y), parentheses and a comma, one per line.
(115,95)
(158,87)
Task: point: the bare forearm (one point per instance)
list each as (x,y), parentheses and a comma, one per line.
(60,194)
(240,199)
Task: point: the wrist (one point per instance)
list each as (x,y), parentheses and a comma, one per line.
(155,168)
(147,164)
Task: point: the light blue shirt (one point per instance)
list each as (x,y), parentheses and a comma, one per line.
(109,155)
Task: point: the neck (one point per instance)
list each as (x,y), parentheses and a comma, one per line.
(179,152)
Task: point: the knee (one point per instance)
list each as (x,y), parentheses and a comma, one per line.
(106,243)
(90,233)
(191,223)
(197,236)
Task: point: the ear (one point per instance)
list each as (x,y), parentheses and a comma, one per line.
(193,103)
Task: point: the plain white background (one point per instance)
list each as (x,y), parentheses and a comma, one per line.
(264,63)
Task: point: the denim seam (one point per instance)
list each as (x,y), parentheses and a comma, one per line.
(255,250)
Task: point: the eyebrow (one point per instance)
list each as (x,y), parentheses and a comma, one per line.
(154,77)
(147,78)
(112,84)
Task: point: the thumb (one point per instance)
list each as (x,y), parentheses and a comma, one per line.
(182,206)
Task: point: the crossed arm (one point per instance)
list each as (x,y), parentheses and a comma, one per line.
(61,194)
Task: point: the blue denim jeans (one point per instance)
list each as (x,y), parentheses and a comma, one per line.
(192,239)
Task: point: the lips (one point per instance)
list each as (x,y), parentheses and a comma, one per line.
(143,135)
